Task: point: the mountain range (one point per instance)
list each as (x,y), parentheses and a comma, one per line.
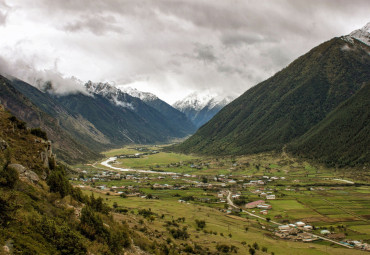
(201,108)
(83,124)
(317,107)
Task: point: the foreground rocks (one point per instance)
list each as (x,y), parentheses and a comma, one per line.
(25,173)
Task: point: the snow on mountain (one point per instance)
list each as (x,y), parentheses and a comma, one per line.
(200,108)
(362,34)
(106,90)
(198,102)
(145,96)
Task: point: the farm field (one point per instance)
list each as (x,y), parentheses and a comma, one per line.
(197,190)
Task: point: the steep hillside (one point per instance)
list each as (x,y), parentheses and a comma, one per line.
(287,105)
(343,137)
(41,213)
(200,109)
(98,119)
(66,148)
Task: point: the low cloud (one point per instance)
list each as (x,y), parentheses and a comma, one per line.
(51,81)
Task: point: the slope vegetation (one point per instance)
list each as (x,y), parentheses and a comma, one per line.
(343,137)
(67,148)
(287,105)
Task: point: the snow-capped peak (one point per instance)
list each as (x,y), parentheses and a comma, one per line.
(199,101)
(144,96)
(362,34)
(110,92)
(101,88)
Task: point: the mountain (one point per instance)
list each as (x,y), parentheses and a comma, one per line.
(175,117)
(161,116)
(200,109)
(23,107)
(362,34)
(343,137)
(83,124)
(306,95)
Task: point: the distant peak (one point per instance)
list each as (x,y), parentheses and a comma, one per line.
(145,96)
(362,34)
(198,101)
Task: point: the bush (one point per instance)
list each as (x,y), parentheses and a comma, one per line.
(8,176)
(39,133)
(179,233)
(200,223)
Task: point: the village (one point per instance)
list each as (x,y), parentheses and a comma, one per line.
(216,188)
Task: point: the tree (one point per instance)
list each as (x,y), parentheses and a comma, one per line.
(255,246)
(200,223)
(58,183)
(91,224)
(252,251)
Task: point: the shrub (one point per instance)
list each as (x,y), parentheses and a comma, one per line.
(200,223)
(39,133)
(8,176)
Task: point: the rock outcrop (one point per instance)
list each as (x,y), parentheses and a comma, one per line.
(3,144)
(25,174)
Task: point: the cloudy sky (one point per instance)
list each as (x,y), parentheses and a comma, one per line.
(168,47)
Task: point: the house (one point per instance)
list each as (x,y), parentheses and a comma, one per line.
(264,212)
(284,228)
(325,232)
(300,224)
(264,206)
(307,228)
(270,197)
(254,204)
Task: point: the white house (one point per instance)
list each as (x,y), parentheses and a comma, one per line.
(300,224)
(270,197)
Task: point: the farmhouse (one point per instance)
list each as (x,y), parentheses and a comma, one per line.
(264,206)
(300,224)
(284,228)
(270,197)
(254,204)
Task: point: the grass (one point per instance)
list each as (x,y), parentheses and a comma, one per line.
(218,222)
(330,205)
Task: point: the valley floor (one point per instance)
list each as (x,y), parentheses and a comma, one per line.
(178,191)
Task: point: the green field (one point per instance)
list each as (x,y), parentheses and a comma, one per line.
(217,222)
(308,193)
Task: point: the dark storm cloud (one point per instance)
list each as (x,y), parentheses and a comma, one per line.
(173,45)
(205,53)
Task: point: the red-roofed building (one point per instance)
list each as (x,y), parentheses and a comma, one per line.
(254,204)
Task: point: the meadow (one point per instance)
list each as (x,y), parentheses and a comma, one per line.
(306,193)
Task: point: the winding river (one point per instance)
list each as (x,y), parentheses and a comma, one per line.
(107,162)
